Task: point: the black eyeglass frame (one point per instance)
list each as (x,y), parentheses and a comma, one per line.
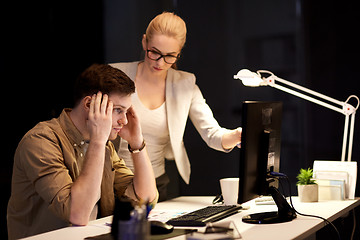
(162,56)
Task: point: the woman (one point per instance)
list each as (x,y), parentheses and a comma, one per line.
(166,97)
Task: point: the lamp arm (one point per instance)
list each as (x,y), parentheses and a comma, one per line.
(351,137)
(340,110)
(304,89)
(345,109)
(301,88)
(311,99)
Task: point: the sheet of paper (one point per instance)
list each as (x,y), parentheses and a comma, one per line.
(332,175)
(336,171)
(331,189)
(163,216)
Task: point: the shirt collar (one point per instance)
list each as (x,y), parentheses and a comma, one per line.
(73,134)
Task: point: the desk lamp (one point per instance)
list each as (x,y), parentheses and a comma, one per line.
(252,79)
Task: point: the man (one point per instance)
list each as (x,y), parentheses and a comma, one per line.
(66,171)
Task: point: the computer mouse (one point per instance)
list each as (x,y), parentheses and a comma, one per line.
(158,227)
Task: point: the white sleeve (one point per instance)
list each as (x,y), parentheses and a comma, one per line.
(204,121)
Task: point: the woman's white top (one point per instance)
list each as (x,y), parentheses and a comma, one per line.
(156,135)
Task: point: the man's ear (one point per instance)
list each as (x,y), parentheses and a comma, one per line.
(86,103)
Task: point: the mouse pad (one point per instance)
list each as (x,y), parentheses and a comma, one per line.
(175,233)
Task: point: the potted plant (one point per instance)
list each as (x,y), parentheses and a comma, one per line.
(307,187)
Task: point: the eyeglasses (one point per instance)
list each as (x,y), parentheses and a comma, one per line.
(154,55)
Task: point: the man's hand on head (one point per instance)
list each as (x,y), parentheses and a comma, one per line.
(99,122)
(131,132)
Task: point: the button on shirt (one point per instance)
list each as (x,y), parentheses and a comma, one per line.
(47,161)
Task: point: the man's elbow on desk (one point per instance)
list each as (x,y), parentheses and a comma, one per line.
(80,211)
(78,219)
(150,196)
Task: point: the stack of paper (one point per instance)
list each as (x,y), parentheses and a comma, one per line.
(336,179)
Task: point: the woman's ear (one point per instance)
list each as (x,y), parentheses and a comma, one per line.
(144,42)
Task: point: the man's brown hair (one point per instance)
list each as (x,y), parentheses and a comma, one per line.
(103,78)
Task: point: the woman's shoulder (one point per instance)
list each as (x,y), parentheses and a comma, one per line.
(182,76)
(124,64)
(128,68)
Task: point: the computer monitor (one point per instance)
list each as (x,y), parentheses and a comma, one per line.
(260,155)
(260,147)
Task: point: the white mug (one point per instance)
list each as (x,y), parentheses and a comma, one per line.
(230,190)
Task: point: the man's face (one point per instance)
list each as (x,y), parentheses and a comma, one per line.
(121,104)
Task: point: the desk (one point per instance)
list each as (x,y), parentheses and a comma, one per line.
(299,228)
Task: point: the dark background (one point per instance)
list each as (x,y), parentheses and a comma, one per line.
(46,44)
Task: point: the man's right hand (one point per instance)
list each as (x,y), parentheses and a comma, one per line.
(85,191)
(99,122)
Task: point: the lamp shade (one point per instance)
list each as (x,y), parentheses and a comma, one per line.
(249,79)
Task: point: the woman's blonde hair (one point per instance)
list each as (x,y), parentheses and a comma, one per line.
(168,24)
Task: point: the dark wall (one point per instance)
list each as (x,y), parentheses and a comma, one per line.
(331,69)
(46,44)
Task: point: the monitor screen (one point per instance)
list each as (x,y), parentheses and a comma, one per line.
(260,148)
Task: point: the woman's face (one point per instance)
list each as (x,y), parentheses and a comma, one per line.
(165,49)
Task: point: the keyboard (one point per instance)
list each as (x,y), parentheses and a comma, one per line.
(200,217)
(264,200)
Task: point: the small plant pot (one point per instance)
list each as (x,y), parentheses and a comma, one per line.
(308,193)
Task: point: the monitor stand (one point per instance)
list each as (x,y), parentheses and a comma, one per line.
(284,214)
